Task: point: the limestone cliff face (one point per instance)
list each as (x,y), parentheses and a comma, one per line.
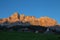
(43,21)
(31,19)
(46,21)
(22,17)
(13,18)
(3,20)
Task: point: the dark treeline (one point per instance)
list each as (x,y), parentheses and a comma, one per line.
(31,28)
(27,27)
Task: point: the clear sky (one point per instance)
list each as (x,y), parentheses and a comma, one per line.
(38,8)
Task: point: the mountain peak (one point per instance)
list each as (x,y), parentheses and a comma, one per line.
(15,14)
(15,17)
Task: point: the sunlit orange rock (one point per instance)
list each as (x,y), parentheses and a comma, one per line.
(46,21)
(31,19)
(28,18)
(22,17)
(35,22)
(43,21)
(13,18)
(3,20)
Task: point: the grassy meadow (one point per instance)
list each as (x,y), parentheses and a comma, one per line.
(27,36)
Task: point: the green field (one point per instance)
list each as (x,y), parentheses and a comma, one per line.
(27,36)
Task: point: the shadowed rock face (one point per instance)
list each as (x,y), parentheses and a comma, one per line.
(43,21)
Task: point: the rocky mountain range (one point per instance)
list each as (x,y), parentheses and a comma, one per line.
(42,21)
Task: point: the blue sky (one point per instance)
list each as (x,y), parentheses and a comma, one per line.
(38,8)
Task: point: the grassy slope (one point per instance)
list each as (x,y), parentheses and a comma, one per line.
(27,36)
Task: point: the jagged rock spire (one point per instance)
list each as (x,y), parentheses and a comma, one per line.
(22,17)
(15,17)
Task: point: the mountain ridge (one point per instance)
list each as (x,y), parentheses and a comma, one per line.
(42,21)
